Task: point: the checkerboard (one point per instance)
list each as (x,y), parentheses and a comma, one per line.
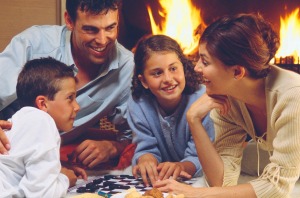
(113,184)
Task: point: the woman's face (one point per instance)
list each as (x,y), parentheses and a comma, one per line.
(217,77)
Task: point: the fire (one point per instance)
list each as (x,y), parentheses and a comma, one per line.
(181,20)
(290,36)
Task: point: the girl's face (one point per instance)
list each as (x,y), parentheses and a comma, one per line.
(216,76)
(164,76)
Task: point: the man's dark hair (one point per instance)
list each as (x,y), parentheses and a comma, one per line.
(41,77)
(92,6)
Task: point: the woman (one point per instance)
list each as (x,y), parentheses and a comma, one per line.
(248,97)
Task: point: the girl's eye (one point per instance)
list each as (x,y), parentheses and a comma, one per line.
(156,73)
(173,68)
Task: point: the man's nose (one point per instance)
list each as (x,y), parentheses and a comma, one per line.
(101,37)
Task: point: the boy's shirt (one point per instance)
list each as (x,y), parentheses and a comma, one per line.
(32,168)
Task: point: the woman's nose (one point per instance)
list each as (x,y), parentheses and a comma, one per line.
(198,67)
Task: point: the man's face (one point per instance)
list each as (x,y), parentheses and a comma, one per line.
(93,36)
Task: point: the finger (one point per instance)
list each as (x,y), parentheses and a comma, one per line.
(80,172)
(81,153)
(176,173)
(4,142)
(95,162)
(135,171)
(153,174)
(185,175)
(143,172)
(169,172)
(163,169)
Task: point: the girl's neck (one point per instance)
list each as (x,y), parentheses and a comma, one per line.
(169,107)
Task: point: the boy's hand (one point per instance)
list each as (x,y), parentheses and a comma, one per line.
(146,168)
(79,172)
(4,143)
(70,174)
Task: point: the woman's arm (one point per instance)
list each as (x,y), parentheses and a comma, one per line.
(210,160)
(172,186)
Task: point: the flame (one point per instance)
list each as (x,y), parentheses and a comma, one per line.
(290,36)
(181,20)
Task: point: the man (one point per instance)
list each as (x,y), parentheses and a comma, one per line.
(103,68)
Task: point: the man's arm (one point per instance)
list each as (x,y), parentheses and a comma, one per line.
(4,143)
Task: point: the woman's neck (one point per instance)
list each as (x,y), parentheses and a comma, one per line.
(251,92)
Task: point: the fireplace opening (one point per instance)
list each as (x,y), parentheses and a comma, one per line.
(137,21)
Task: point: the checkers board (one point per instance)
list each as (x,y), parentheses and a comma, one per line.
(112,184)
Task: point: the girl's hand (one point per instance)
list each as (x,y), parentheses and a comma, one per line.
(146,168)
(204,104)
(174,169)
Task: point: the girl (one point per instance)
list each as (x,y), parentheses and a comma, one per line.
(254,99)
(164,87)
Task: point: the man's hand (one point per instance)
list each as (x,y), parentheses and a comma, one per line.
(4,143)
(91,153)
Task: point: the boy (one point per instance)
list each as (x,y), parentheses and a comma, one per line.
(46,90)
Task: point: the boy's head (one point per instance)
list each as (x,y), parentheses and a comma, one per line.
(49,85)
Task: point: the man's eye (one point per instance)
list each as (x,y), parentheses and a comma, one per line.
(110,28)
(89,30)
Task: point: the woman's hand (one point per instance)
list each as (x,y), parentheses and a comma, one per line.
(206,103)
(172,186)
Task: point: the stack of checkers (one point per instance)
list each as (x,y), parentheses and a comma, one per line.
(113,184)
(105,124)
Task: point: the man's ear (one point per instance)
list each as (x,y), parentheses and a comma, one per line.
(239,72)
(68,21)
(41,103)
(142,79)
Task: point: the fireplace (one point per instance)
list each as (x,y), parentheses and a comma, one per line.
(135,20)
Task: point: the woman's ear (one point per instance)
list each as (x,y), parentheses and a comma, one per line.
(142,79)
(239,72)
(68,21)
(41,103)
